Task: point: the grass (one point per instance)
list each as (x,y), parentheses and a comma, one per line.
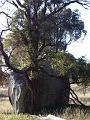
(5,106)
(69,114)
(18,117)
(6,111)
(83,97)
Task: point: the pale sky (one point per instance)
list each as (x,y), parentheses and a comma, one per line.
(78,49)
(82,48)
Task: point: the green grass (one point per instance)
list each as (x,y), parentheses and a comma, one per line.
(66,115)
(18,117)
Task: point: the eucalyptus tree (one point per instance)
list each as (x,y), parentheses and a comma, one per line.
(39,31)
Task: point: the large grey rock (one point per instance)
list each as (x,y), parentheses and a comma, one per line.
(50,92)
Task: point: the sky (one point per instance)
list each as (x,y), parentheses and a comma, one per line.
(78,49)
(82,47)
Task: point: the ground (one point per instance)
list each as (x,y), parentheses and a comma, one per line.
(83,94)
(6,111)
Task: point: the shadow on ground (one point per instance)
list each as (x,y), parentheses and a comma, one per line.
(71,108)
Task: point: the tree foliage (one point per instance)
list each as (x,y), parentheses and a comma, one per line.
(41,29)
(39,32)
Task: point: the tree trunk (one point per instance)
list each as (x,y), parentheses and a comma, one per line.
(47,92)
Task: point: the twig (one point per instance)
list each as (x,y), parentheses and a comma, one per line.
(5,14)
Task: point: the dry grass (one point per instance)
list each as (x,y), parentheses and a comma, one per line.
(18,117)
(6,111)
(83,97)
(5,106)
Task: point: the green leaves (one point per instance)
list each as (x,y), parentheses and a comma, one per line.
(78,70)
(83,68)
(20,58)
(0,62)
(41,30)
(17,50)
(63,62)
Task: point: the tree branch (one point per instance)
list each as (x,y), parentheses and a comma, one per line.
(12,3)
(73,101)
(3,2)
(5,14)
(19,3)
(75,97)
(7,62)
(78,82)
(6,58)
(61,8)
(4,31)
(45,7)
